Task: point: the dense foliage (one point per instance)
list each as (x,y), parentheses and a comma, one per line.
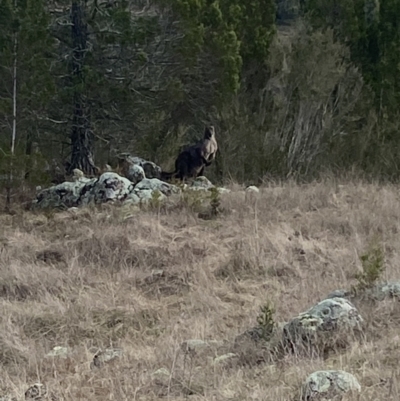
(292,87)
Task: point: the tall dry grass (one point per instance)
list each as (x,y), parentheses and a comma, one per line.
(147,281)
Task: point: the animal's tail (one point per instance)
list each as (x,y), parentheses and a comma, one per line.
(165,176)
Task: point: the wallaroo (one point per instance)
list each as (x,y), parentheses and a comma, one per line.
(191,162)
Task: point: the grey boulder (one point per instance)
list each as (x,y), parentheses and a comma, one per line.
(329,385)
(330,323)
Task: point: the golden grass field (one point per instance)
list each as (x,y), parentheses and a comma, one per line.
(146,281)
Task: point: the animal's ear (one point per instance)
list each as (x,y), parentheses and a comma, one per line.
(209,132)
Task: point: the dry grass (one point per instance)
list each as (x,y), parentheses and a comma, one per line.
(147,281)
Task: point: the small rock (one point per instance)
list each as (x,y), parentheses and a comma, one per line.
(201,183)
(329,385)
(224,358)
(77,174)
(382,291)
(162,372)
(154,184)
(251,194)
(132,199)
(338,294)
(51,256)
(36,392)
(57,351)
(151,170)
(106,356)
(252,188)
(135,173)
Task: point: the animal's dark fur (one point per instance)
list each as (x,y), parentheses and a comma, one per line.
(191,162)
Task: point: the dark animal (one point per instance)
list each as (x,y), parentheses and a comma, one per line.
(191,162)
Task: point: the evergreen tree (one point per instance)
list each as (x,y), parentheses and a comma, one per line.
(25,81)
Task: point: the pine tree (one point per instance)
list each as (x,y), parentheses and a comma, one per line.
(25,82)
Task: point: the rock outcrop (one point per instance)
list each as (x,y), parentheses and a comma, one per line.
(138,184)
(128,163)
(330,323)
(329,385)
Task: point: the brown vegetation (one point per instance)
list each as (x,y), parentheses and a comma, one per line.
(147,281)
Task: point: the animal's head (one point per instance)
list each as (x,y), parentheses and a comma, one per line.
(209,132)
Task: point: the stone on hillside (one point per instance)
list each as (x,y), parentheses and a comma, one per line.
(132,199)
(338,294)
(146,195)
(109,187)
(252,188)
(106,356)
(325,325)
(251,193)
(153,184)
(151,170)
(329,385)
(162,372)
(202,183)
(222,190)
(135,173)
(223,358)
(77,175)
(63,195)
(382,291)
(61,352)
(37,391)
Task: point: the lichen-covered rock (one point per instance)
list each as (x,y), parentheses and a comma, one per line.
(224,358)
(252,188)
(37,391)
(151,170)
(61,352)
(135,173)
(146,195)
(251,194)
(132,199)
(60,196)
(132,187)
(109,187)
(329,385)
(382,291)
(330,323)
(153,184)
(106,356)
(201,183)
(339,294)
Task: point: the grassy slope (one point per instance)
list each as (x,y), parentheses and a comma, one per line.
(297,245)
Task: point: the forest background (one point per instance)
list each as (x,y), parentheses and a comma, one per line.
(293,87)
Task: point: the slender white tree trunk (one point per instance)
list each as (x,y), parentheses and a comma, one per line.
(14,117)
(14,127)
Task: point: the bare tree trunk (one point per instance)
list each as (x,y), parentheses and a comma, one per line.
(82,138)
(14,125)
